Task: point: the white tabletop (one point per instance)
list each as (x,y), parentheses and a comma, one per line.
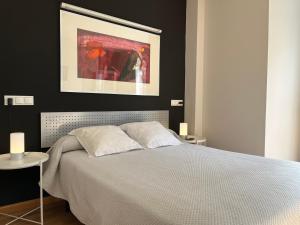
(30,159)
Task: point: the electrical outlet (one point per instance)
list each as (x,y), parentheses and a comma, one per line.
(19,100)
(177,103)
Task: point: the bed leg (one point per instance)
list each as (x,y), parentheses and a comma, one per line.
(67,207)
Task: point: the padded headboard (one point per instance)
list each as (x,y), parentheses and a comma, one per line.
(55,125)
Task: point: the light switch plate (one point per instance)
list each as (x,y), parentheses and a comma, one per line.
(28,100)
(19,100)
(177,103)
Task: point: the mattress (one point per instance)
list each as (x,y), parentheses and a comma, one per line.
(177,185)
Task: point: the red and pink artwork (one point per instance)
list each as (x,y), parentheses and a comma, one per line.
(104,57)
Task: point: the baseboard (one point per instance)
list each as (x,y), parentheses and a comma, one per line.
(27,205)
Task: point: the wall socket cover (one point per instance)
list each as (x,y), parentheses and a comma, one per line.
(19,100)
(176,102)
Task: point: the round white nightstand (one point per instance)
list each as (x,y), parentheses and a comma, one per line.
(201,141)
(30,159)
(196,140)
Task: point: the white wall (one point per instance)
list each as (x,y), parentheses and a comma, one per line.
(194,65)
(235,75)
(243,75)
(283,95)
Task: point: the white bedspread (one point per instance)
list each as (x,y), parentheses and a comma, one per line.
(184,185)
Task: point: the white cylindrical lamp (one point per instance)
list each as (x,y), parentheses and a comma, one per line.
(17,146)
(183,130)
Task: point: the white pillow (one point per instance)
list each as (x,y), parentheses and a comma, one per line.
(104,140)
(150,134)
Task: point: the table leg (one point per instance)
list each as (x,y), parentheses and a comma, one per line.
(41,194)
(16,218)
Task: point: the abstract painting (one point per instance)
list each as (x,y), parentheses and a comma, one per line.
(101,57)
(106,57)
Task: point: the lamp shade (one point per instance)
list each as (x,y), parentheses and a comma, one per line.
(17,143)
(183,129)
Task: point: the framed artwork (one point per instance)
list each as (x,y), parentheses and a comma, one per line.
(102,57)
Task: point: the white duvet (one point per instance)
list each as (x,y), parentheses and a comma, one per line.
(178,185)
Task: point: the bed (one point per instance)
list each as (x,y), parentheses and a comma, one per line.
(185,185)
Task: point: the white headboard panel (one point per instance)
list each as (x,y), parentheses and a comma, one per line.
(55,125)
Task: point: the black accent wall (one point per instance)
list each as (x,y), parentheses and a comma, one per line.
(30,65)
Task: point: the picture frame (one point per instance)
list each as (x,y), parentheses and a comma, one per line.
(105,58)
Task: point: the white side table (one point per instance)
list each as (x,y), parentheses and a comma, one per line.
(201,141)
(30,159)
(196,140)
